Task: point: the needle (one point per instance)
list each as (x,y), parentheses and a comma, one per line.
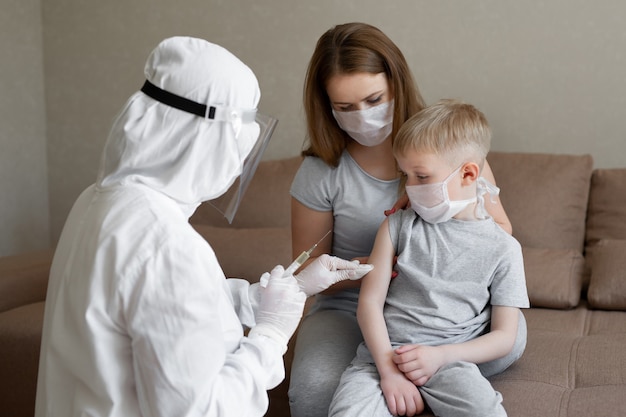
(297,263)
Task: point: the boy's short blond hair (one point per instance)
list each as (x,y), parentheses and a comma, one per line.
(456,131)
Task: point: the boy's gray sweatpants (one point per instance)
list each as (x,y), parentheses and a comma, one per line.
(459,389)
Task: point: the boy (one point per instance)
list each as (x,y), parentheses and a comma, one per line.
(451,317)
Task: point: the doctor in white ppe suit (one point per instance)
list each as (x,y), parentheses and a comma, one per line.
(140,320)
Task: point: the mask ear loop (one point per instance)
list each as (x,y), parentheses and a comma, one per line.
(484,187)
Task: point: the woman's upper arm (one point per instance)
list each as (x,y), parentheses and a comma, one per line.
(309,226)
(495,208)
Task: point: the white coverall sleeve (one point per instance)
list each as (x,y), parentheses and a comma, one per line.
(189,353)
(245,300)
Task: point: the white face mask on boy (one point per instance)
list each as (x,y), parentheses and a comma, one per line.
(369,127)
(432,202)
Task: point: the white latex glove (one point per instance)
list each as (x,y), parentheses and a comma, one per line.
(281,303)
(327,270)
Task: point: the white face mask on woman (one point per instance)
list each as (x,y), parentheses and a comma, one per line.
(369,127)
(432,202)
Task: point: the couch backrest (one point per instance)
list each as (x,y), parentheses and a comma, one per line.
(606,240)
(260,236)
(266,203)
(606,217)
(546,197)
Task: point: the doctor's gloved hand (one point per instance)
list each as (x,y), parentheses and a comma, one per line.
(327,270)
(281,303)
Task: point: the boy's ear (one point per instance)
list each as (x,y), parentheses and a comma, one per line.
(470,173)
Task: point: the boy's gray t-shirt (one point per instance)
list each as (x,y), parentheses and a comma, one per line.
(449,276)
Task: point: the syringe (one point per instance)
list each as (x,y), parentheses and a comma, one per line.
(302,258)
(297,263)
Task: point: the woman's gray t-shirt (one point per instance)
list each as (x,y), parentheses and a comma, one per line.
(356,199)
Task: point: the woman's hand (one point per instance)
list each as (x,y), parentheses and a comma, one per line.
(400,204)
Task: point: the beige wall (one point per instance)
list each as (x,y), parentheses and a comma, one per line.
(548,74)
(24,217)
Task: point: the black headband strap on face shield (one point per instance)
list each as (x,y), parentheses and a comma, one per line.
(178,102)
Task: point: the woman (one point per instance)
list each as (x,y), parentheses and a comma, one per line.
(358,92)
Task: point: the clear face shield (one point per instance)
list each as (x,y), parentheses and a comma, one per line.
(228,203)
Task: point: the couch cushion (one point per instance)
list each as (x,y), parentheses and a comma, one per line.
(574,365)
(545,197)
(607,286)
(607,205)
(266,203)
(585,402)
(247,253)
(606,215)
(553,276)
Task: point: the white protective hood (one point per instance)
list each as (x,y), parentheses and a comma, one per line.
(186,157)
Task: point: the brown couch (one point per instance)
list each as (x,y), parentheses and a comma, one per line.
(570,219)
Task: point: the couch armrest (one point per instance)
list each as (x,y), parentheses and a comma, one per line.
(24,278)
